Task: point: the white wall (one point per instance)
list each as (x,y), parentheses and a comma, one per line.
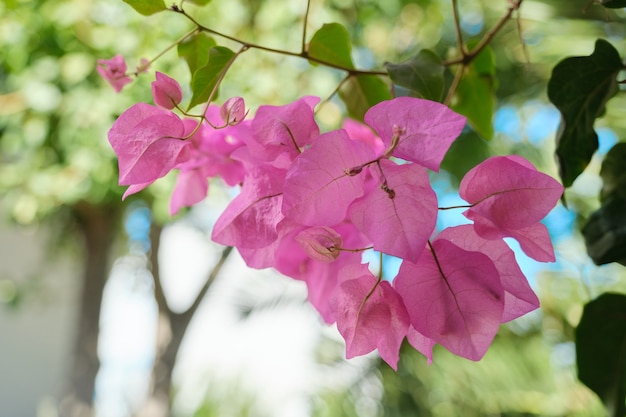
(36,336)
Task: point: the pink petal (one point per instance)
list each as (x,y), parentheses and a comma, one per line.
(428,128)
(284,130)
(370,315)
(147,143)
(510,193)
(519,298)
(320,176)
(166,91)
(398,225)
(453,297)
(421,343)
(359,131)
(114,72)
(191,188)
(250,220)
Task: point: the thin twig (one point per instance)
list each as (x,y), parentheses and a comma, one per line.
(304,25)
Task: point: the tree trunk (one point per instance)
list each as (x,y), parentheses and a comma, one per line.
(171,329)
(98,225)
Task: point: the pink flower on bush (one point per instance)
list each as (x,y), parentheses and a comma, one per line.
(114,71)
(166,91)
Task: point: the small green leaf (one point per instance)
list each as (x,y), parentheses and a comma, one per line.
(195,51)
(475,96)
(614,4)
(361,92)
(147,7)
(200,2)
(331,44)
(580,88)
(204,79)
(422,75)
(601,350)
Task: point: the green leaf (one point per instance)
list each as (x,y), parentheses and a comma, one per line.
(613,173)
(204,80)
(361,92)
(422,75)
(195,51)
(467,151)
(147,7)
(476,94)
(331,44)
(601,350)
(605,230)
(199,2)
(614,4)
(580,88)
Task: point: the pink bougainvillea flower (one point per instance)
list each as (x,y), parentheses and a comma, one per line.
(519,298)
(320,175)
(147,142)
(283,130)
(421,343)
(320,243)
(509,197)
(423,129)
(166,91)
(233,111)
(370,315)
(400,214)
(250,220)
(143,66)
(114,71)
(453,297)
(191,188)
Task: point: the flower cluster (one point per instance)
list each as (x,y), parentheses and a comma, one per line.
(310,203)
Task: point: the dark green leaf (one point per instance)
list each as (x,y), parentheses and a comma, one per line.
(195,51)
(147,7)
(580,87)
(205,79)
(605,232)
(613,173)
(614,4)
(361,92)
(331,44)
(421,75)
(601,350)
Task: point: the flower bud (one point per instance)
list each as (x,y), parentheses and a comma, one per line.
(233,111)
(166,91)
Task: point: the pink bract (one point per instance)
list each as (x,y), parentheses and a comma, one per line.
(426,128)
(166,91)
(114,72)
(148,143)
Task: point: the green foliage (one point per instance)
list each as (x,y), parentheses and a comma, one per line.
(601,350)
(421,75)
(147,7)
(605,230)
(195,51)
(614,4)
(205,80)
(580,88)
(360,92)
(331,44)
(475,95)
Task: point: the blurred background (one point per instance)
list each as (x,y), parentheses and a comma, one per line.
(114,298)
